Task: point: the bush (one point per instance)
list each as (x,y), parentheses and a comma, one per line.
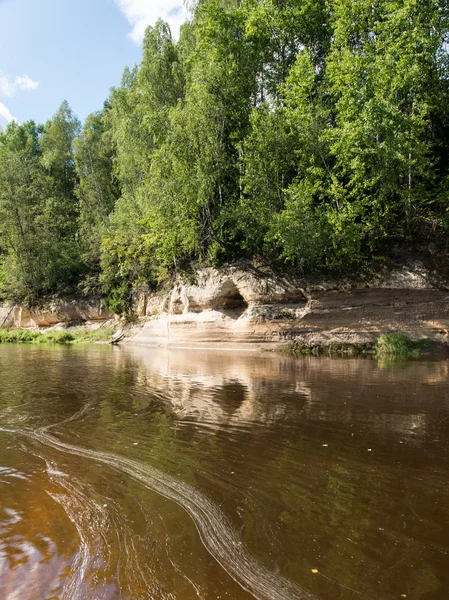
(398,346)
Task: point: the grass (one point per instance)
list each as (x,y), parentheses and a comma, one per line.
(19,336)
(398,346)
(391,347)
(297,349)
(64,336)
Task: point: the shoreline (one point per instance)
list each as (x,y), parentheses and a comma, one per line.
(245,308)
(393,346)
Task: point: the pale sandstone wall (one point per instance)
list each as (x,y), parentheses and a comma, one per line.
(5,315)
(248,307)
(70,312)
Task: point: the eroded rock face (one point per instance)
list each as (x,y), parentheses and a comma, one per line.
(238,306)
(248,306)
(239,288)
(227,289)
(5,315)
(214,290)
(74,312)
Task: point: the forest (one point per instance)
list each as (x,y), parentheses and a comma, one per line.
(311,133)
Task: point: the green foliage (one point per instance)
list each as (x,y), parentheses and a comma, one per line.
(383,76)
(314,133)
(394,346)
(75,336)
(97,190)
(342,349)
(18,336)
(398,346)
(101,334)
(55,337)
(38,208)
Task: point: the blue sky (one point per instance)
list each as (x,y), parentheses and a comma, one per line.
(75,50)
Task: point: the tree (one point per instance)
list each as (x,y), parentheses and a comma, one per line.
(97,189)
(383,73)
(19,206)
(38,206)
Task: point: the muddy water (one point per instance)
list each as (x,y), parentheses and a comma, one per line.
(133,473)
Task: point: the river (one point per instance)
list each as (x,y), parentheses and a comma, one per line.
(132,473)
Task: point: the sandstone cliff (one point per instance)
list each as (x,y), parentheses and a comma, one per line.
(248,307)
(56,312)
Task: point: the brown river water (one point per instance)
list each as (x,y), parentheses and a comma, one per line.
(150,474)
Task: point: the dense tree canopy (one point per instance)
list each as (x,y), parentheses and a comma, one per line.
(309,132)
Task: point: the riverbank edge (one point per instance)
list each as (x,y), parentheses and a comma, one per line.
(115,334)
(249,307)
(414,349)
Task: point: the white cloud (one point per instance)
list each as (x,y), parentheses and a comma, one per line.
(141,13)
(25,83)
(21,82)
(8,88)
(5,115)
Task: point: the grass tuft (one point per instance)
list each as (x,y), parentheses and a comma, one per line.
(398,346)
(391,347)
(335,349)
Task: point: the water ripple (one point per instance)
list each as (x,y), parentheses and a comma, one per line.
(215,529)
